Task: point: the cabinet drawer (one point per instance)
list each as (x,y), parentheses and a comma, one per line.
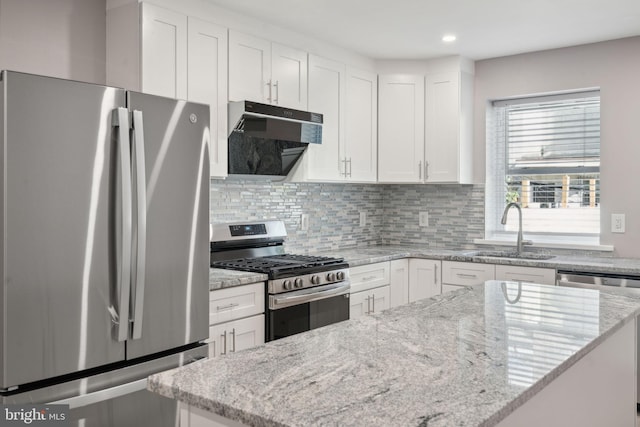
(545,276)
(369,276)
(235,303)
(369,302)
(466,273)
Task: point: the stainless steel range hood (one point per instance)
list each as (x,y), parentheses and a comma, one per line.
(266,141)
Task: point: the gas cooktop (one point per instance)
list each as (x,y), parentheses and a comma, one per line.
(284,265)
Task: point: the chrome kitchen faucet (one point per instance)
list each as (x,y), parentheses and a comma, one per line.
(520,242)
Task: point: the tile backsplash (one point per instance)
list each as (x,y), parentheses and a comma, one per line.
(456,212)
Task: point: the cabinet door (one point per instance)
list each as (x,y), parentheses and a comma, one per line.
(289,77)
(360,154)
(399,282)
(442,127)
(401,128)
(207,76)
(164,52)
(379,299)
(359,304)
(424,279)
(237,335)
(326,96)
(545,276)
(249,68)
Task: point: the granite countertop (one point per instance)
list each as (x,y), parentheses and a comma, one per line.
(219,278)
(442,361)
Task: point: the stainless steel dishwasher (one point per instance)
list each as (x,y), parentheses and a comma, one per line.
(589,280)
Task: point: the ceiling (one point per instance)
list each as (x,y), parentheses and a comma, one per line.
(413,29)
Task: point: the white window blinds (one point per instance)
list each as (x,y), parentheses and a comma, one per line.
(546,156)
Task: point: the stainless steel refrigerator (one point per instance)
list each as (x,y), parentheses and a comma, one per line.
(105,258)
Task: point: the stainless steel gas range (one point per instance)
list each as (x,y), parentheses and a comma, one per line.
(304,292)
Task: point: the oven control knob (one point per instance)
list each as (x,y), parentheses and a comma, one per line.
(298,283)
(287,285)
(340,275)
(331,277)
(315,279)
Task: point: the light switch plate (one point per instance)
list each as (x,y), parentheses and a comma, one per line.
(423,219)
(617,223)
(304,222)
(363,218)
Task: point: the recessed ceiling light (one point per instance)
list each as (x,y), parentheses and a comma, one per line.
(448,38)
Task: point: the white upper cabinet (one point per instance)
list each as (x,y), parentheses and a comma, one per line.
(207,84)
(266,72)
(448,126)
(167,53)
(400,128)
(425,128)
(164,52)
(359,156)
(327,93)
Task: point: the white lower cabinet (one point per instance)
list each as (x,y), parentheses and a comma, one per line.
(236,318)
(370,290)
(545,276)
(369,302)
(230,337)
(424,278)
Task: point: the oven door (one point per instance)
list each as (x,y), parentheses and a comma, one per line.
(300,311)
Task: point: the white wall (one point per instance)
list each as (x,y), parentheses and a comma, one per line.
(613,66)
(61,38)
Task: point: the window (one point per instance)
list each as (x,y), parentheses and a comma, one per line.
(544,153)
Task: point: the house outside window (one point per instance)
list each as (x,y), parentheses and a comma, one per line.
(544,153)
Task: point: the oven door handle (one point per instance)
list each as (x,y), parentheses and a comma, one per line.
(307,295)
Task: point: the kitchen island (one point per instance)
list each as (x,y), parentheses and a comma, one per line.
(506,353)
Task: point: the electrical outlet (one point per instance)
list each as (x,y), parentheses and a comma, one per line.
(304,222)
(423,219)
(363,218)
(617,223)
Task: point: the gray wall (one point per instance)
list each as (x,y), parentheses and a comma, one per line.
(60,38)
(613,66)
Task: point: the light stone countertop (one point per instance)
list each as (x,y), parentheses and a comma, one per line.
(442,361)
(219,278)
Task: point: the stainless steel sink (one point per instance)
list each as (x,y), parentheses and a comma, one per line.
(511,254)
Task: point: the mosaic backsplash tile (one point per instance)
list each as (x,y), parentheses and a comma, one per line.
(456,212)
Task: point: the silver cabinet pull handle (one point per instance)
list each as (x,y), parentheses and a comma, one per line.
(224,340)
(469,276)
(349,167)
(368,304)
(367,278)
(426,171)
(140,233)
(373,299)
(214,347)
(121,120)
(277,98)
(233,340)
(435,274)
(420,170)
(269,84)
(344,162)
(225,307)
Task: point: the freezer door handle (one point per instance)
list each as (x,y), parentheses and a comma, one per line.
(138,273)
(102,395)
(121,120)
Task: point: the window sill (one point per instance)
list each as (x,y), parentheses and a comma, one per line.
(549,245)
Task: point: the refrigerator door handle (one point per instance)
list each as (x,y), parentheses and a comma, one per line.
(121,120)
(102,395)
(138,275)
